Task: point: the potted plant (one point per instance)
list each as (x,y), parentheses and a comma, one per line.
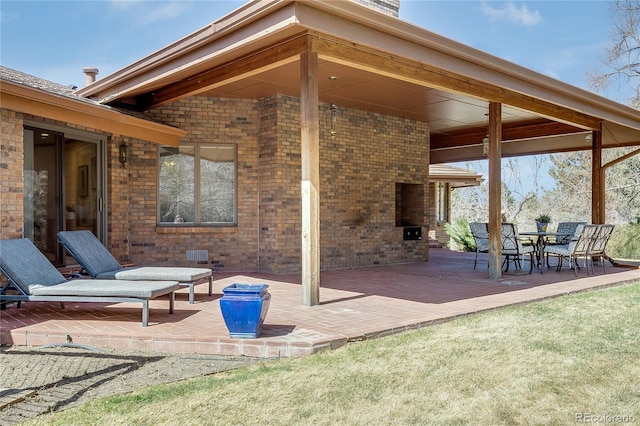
(542,222)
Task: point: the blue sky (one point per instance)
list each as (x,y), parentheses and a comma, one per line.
(56,39)
(561,39)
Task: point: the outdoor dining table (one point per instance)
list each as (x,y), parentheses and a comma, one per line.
(541,243)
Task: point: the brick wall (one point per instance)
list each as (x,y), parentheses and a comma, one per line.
(359,168)
(117,200)
(280,175)
(207,120)
(11,171)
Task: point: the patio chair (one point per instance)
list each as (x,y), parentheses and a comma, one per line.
(480,233)
(578,247)
(35,279)
(513,248)
(97,262)
(567,228)
(599,245)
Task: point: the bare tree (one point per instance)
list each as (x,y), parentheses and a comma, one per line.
(572,199)
(622,56)
(522,185)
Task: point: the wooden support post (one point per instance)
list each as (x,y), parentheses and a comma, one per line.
(310,140)
(495,191)
(597,179)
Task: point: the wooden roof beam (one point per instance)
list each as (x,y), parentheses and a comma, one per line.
(250,65)
(423,74)
(528,130)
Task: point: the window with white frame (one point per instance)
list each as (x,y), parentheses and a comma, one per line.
(197,185)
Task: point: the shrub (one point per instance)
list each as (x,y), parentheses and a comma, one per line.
(543,218)
(461,234)
(625,242)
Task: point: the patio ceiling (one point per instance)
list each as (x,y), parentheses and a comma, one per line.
(376,63)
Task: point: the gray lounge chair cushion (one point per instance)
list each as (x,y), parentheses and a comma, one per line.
(107,288)
(26,265)
(162,273)
(30,270)
(99,263)
(95,258)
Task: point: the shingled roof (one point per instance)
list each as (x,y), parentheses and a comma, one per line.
(28,80)
(29,94)
(51,87)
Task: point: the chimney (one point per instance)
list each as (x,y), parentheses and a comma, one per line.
(90,73)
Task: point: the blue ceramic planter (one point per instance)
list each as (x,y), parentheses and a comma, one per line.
(542,226)
(244,308)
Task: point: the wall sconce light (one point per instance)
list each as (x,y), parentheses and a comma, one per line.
(485,145)
(123,154)
(588,138)
(332,109)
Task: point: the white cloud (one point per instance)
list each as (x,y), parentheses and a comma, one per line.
(510,12)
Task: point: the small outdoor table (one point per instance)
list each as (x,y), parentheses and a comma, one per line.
(541,243)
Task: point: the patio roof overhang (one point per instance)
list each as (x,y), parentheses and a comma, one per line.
(373,62)
(456,177)
(40,103)
(343,53)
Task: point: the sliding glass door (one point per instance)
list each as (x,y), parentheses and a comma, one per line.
(62,188)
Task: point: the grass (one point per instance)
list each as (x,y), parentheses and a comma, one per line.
(544,363)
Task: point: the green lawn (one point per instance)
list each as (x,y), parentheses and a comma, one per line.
(568,360)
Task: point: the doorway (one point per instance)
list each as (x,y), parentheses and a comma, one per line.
(63,178)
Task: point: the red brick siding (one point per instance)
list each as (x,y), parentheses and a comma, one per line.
(359,168)
(280,175)
(11,175)
(207,120)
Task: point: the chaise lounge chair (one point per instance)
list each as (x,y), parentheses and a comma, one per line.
(30,273)
(97,262)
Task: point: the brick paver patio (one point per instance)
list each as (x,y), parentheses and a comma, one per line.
(355,304)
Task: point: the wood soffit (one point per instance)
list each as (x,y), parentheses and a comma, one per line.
(455,106)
